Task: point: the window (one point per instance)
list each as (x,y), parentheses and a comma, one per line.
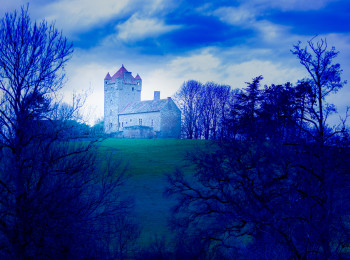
(132,88)
(140,121)
(151,122)
(122,124)
(130,120)
(110,125)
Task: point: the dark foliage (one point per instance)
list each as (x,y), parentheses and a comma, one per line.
(278,188)
(57,200)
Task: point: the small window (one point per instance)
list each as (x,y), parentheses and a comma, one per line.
(132,88)
(140,121)
(110,125)
(151,122)
(122,124)
(130,120)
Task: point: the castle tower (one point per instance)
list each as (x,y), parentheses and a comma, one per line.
(119,90)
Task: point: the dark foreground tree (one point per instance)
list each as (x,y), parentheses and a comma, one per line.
(246,196)
(57,199)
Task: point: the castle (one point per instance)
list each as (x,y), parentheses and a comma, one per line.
(129,117)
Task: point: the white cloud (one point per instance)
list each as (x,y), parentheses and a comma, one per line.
(136,28)
(273,73)
(245,17)
(86,77)
(208,66)
(271,32)
(236,15)
(79,15)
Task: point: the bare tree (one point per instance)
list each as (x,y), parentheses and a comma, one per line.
(266,191)
(204,109)
(189,98)
(325,78)
(55,195)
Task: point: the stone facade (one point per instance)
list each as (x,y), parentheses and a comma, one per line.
(127,115)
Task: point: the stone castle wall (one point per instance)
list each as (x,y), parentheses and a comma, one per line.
(120,90)
(170,124)
(111,107)
(116,96)
(134,119)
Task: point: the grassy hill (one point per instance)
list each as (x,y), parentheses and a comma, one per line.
(148,160)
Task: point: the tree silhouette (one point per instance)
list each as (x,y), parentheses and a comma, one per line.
(56,196)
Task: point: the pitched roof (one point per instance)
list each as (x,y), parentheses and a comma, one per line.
(144,106)
(108,77)
(119,74)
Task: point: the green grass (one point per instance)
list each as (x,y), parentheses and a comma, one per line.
(154,156)
(148,160)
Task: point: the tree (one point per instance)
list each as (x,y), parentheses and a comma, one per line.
(246,108)
(214,107)
(204,109)
(236,195)
(245,196)
(55,194)
(189,98)
(325,78)
(326,171)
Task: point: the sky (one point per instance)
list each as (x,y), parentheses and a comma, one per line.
(168,42)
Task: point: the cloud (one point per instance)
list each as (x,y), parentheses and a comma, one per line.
(287,5)
(273,73)
(86,77)
(9,6)
(75,16)
(270,32)
(209,65)
(245,17)
(235,15)
(136,28)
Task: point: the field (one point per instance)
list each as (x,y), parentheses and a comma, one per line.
(147,161)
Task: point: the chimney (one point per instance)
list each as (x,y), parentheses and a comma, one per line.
(156,95)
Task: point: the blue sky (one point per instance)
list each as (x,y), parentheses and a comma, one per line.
(171,41)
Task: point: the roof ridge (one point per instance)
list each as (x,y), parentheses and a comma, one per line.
(145,106)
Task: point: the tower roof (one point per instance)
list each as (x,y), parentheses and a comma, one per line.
(108,77)
(120,73)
